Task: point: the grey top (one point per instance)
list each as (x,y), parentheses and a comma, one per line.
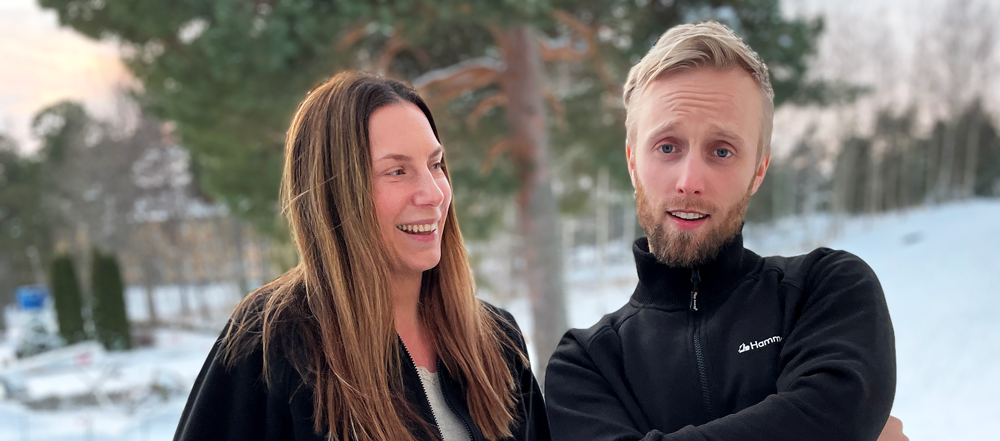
(452,429)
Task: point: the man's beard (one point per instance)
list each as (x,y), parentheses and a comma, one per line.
(687,249)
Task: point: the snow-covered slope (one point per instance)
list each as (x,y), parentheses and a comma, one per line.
(939,267)
(940,270)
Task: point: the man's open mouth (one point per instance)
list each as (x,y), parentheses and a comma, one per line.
(687,215)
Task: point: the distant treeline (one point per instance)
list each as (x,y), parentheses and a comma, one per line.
(894,167)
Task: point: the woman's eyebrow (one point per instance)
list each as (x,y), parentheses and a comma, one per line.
(396,157)
(406,158)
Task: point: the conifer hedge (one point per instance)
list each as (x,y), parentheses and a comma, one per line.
(108,291)
(68,299)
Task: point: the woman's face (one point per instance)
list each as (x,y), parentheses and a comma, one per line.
(412,193)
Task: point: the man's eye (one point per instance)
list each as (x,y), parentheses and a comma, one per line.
(438,165)
(667,148)
(723,153)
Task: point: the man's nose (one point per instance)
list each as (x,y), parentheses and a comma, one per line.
(691,177)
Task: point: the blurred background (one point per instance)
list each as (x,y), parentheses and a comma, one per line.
(141,149)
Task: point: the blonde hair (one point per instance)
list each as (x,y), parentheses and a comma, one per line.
(331,315)
(692,46)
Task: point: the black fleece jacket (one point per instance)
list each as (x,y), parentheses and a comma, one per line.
(742,348)
(234,404)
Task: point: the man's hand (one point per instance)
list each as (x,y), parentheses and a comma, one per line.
(893,431)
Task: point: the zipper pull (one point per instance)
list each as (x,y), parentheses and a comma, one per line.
(695,279)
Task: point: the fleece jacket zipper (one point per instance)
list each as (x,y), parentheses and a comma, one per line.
(444,393)
(422,389)
(706,394)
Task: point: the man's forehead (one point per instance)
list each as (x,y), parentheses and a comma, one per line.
(728,102)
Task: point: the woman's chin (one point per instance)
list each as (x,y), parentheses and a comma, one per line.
(416,264)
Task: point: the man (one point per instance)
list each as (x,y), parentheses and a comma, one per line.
(718,343)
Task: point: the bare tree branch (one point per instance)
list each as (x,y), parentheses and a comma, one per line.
(442,85)
(396,45)
(493,152)
(352,36)
(484,106)
(392,48)
(557,107)
(588,34)
(561,49)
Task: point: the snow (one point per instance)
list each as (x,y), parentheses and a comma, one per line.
(939,267)
(940,270)
(134,395)
(191,304)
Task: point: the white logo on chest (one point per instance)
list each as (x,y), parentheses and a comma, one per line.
(759,344)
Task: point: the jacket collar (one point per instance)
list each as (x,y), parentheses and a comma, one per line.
(671,287)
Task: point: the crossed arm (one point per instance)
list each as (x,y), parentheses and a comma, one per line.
(837,378)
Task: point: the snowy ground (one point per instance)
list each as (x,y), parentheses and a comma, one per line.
(140,393)
(939,267)
(940,270)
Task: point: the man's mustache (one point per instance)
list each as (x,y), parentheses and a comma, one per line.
(688,204)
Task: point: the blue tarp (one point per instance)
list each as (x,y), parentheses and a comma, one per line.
(31,297)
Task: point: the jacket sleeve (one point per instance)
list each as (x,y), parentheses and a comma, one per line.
(232,404)
(581,401)
(837,381)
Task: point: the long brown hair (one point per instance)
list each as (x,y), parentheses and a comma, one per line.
(331,315)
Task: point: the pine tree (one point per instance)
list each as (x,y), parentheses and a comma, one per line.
(108,291)
(230,73)
(67,298)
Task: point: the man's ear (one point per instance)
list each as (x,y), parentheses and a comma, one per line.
(758,177)
(630,160)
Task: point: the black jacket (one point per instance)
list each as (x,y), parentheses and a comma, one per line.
(773,348)
(234,404)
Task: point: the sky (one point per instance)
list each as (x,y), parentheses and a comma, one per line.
(47,64)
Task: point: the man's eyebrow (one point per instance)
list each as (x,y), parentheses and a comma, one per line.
(659,130)
(726,134)
(718,131)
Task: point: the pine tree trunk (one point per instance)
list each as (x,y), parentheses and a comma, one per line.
(905,177)
(603,189)
(943,186)
(529,141)
(238,263)
(971,155)
(147,275)
(874,191)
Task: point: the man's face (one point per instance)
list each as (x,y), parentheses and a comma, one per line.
(694,161)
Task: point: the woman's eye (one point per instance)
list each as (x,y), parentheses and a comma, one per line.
(723,153)
(667,148)
(396,172)
(438,166)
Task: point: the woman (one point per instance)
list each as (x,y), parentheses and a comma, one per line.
(376,334)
